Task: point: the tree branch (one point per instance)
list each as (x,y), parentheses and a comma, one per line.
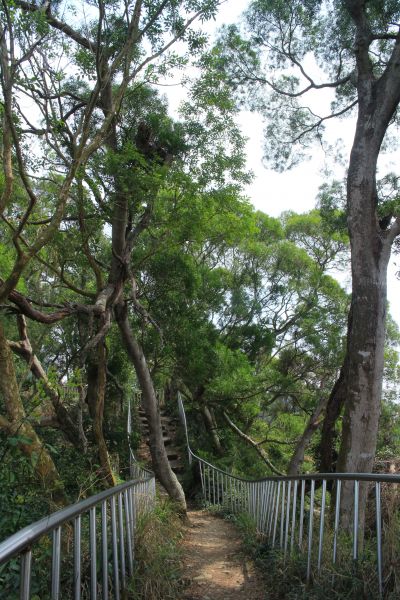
(57,24)
(24,349)
(260,451)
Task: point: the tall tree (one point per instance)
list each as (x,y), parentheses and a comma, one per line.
(356,45)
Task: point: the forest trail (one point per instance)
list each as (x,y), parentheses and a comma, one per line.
(214,564)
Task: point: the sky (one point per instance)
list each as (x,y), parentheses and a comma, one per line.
(297,189)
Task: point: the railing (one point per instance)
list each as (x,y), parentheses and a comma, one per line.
(160,396)
(301,515)
(135,469)
(83,551)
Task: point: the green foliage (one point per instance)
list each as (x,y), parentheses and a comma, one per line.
(266,62)
(19,496)
(388,446)
(235,308)
(251,321)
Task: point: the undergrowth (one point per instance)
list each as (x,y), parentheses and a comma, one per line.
(285,579)
(157,573)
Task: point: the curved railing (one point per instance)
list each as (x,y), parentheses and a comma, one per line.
(292,513)
(91,544)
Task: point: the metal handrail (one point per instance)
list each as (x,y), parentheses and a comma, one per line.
(135,469)
(279,509)
(119,510)
(30,534)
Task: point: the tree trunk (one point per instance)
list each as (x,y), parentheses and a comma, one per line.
(211,427)
(97,367)
(314,422)
(363,370)
(208,418)
(364,376)
(18,425)
(378,100)
(336,401)
(159,457)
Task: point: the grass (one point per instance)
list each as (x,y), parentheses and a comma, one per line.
(157,574)
(286,579)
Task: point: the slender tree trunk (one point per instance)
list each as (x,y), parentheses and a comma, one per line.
(99,416)
(260,451)
(18,425)
(208,418)
(211,426)
(159,457)
(314,422)
(327,451)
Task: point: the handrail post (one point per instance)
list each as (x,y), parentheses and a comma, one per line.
(56,563)
(310,530)
(379,537)
(355,529)
(26,565)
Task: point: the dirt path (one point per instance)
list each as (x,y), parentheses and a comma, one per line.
(214,564)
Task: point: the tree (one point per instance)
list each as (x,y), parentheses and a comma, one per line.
(251,322)
(72,122)
(356,44)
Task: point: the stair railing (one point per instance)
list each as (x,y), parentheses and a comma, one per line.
(292,512)
(92,544)
(135,468)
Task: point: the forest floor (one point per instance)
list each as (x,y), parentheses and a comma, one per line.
(214,564)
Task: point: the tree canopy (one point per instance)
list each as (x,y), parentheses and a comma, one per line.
(131,259)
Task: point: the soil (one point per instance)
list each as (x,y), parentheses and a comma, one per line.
(214,565)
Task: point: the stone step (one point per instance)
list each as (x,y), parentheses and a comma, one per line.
(163,418)
(170,429)
(173,456)
(166,439)
(165,431)
(176,466)
(164,424)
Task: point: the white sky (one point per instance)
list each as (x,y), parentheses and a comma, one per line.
(297,189)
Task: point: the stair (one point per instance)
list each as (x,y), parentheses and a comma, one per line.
(169,428)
